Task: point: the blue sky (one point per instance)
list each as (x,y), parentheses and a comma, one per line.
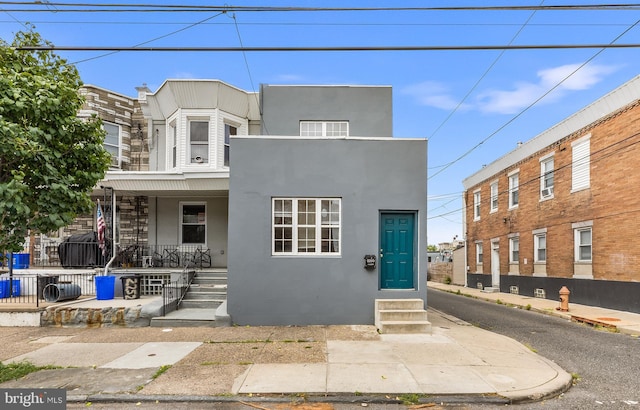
(457,99)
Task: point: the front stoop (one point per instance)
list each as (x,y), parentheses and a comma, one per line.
(393,316)
(201,304)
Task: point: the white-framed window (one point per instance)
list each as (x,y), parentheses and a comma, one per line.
(112,142)
(198,141)
(494,196)
(479,255)
(583,244)
(476,205)
(324,128)
(514,250)
(229,130)
(546,176)
(514,189)
(580,163)
(193,223)
(174,145)
(540,247)
(306,226)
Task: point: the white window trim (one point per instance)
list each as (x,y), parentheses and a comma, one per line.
(191,119)
(512,189)
(324,127)
(118,160)
(581,167)
(318,228)
(476,204)
(494,196)
(544,160)
(180,218)
(479,251)
(577,228)
(512,240)
(537,234)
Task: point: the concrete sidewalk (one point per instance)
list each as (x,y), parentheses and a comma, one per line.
(620,321)
(456,363)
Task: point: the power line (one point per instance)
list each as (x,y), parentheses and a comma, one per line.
(119,7)
(329,48)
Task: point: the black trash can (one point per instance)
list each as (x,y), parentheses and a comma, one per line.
(43,281)
(131,286)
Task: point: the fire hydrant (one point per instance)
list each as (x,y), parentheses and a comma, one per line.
(564,299)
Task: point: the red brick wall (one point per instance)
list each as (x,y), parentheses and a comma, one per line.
(612,202)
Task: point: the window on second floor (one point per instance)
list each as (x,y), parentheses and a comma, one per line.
(514,188)
(546,177)
(476,205)
(494,196)
(580,163)
(229,130)
(324,128)
(112,142)
(198,141)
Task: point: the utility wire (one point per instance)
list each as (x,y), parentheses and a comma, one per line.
(534,102)
(333,48)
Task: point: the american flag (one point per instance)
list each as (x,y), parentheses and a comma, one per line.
(102,226)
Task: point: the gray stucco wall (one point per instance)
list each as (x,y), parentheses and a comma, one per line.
(283,107)
(370,176)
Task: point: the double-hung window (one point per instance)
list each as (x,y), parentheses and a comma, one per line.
(324,128)
(514,187)
(476,205)
(306,226)
(546,177)
(583,244)
(514,250)
(494,196)
(478,252)
(199,141)
(229,130)
(193,222)
(540,247)
(112,142)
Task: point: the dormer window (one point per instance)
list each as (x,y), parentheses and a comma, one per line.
(199,141)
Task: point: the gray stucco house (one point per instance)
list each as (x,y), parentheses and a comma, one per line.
(311,204)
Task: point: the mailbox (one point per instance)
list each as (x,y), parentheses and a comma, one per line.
(369,261)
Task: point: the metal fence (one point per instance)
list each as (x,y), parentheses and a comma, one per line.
(53,253)
(174,292)
(33,289)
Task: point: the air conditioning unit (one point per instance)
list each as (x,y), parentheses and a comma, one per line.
(547,192)
(115,161)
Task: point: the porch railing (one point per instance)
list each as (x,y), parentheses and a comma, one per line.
(174,291)
(52,253)
(33,289)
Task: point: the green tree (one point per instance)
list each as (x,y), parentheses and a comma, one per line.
(432,248)
(49,158)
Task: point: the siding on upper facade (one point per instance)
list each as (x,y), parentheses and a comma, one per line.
(367,108)
(608,200)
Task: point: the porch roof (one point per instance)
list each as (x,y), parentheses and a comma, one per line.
(166,184)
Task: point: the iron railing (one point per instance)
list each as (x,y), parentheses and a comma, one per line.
(33,289)
(52,253)
(174,291)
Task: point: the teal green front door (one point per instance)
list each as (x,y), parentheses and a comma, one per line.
(396,250)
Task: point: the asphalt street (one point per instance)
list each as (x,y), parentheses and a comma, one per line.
(605,364)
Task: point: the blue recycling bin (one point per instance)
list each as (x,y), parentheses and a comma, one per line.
(105,287)
(20,261)
(5,288)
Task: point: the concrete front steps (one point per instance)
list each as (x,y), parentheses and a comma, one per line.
(201,306)
(401,316)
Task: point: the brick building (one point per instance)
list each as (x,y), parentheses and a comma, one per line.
(562,209)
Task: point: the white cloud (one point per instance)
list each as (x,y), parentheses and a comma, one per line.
(433,94)
(524,94)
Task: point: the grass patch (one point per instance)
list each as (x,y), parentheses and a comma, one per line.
(528,307)
(575,378)
(161,370)
(499,302)
(528,346)
(14,371)
(409,399)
